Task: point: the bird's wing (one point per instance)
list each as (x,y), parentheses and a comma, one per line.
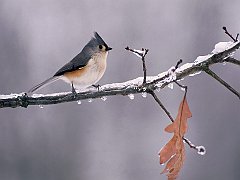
(77,62)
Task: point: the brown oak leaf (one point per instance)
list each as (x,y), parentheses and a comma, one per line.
(174,151)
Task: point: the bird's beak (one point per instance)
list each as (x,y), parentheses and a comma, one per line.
(108,49)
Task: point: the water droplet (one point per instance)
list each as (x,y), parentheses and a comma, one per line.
(144,94)
(201,150)
(183,89)
(90,100)
(170,85)
(224,63)
(131,96)
(162,164)
(41,106)
(104,98)
(158,89)
(79,102)
(144,89)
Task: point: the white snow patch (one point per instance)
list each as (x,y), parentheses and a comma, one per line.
(200,59)
(10,96)
(53,94)
(172,74)
(138,52)
(183,67)
(131,83)
(162,74)
(223,46)
(196,73)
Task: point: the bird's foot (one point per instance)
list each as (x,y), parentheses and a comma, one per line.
(74,93)
(97,86)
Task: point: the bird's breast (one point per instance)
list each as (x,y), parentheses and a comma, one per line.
(89,74)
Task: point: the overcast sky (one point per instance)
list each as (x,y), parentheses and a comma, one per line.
(118,138)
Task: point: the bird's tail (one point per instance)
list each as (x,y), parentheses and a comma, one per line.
(45,83)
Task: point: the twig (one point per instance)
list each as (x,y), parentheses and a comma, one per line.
(233,61)
(178,63)
(161,105)
(141,53)
(237,36)
(180,85)
(186,140)
(190,144)
(144,65)
(226,31)
(216,77)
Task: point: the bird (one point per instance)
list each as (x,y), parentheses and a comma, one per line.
(85,69)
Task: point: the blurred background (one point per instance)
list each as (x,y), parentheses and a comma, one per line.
(118,138)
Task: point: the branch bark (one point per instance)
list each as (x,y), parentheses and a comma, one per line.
(129,87)
(216,77)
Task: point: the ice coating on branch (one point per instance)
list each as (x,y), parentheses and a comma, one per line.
(10,96)
(172,75)
(196,73)
(162,74)
(139,53)
(131,83)
(223,46)
(52,94)
(200,59)
(184,67)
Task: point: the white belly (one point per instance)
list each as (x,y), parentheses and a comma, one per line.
(91,75)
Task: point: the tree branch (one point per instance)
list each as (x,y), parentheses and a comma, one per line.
(129,87)
(142,54)
(186,140)
(161,105)
(226,32)
(233,61)
(216,77)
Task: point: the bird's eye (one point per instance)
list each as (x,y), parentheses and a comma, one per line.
(100,46)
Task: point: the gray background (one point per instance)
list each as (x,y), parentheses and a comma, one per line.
(119,138)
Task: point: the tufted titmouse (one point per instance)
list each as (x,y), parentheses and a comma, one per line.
(85,69)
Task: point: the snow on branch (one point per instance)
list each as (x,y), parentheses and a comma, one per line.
(222,52)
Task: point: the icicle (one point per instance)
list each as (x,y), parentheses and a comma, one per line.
(183,89)
(170,85)
(131,96)
(144,94)
(90,100)
(104,98)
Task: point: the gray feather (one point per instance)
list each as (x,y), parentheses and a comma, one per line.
(84,56)
(45,83)
(77,62)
